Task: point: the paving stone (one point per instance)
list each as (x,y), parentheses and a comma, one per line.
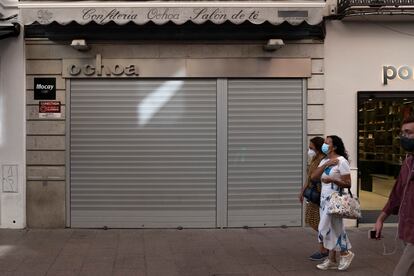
(67,262)
(10,262)
(39,269)
(159,267)
(226,267)
(286,262)
(188,261)
(308,273)
(130,261)
(199,271)
(230,274)
(128,272)
(261,270)
(70,272)
(95,271)
(31,272)
(83,234)
(97,268)
(247,256)
(100,255)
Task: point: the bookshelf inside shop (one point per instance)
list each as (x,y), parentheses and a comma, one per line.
(379,127)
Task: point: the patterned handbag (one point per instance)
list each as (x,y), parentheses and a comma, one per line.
(344,205)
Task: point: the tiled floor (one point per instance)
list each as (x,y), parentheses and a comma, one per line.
(371,201)
(382,184)
(381,188)
(230,252)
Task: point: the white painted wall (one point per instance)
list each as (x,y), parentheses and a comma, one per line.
(12,130)
(355,53)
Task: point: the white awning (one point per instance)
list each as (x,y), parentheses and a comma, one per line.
(177,12)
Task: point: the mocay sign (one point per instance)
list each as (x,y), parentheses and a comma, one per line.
(96,68)
(44,88)
(390,72)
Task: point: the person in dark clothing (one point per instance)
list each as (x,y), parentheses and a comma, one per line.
(401,202)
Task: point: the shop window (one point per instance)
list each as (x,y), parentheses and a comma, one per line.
(379,153)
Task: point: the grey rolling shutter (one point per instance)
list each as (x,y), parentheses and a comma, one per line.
(143,153)
(264,152)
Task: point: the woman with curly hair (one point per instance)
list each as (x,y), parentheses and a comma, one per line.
(334,173)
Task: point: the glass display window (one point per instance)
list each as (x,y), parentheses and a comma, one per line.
(379,153)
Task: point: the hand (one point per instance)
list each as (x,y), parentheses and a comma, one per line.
(378,228)
(332,162)
(301,194)
(301,197)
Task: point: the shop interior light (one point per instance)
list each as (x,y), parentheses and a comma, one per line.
(80,45)
(273,44)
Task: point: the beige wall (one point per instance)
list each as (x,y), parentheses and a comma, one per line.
(46,137)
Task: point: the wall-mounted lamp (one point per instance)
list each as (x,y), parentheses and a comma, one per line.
(80,45)
(273,44)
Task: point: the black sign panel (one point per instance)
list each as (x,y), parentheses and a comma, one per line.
(44,88)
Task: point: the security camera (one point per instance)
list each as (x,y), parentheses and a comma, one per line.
(273,44)
(80,45)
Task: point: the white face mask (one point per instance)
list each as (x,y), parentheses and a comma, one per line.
(311,153)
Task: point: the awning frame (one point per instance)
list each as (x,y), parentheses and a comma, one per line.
(179,13)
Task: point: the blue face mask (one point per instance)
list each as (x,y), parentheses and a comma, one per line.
(325,148)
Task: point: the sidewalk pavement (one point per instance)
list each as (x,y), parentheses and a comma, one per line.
(188,252)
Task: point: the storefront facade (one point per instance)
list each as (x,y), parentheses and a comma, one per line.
(12,119)
(369,90)
(173,132)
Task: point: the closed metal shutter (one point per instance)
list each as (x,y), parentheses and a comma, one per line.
(143,153)
(264,152)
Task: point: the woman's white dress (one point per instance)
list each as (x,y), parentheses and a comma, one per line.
(331,230)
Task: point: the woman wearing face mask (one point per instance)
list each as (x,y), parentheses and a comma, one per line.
(334,172)
(311,209)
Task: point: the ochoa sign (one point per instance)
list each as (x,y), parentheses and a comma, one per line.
(110,69)
(390,72)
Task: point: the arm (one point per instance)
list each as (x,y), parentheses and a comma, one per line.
(301,191)
(318,172)
(392,206)
(379,224)
(344,179)
(344,182)
(316,175)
